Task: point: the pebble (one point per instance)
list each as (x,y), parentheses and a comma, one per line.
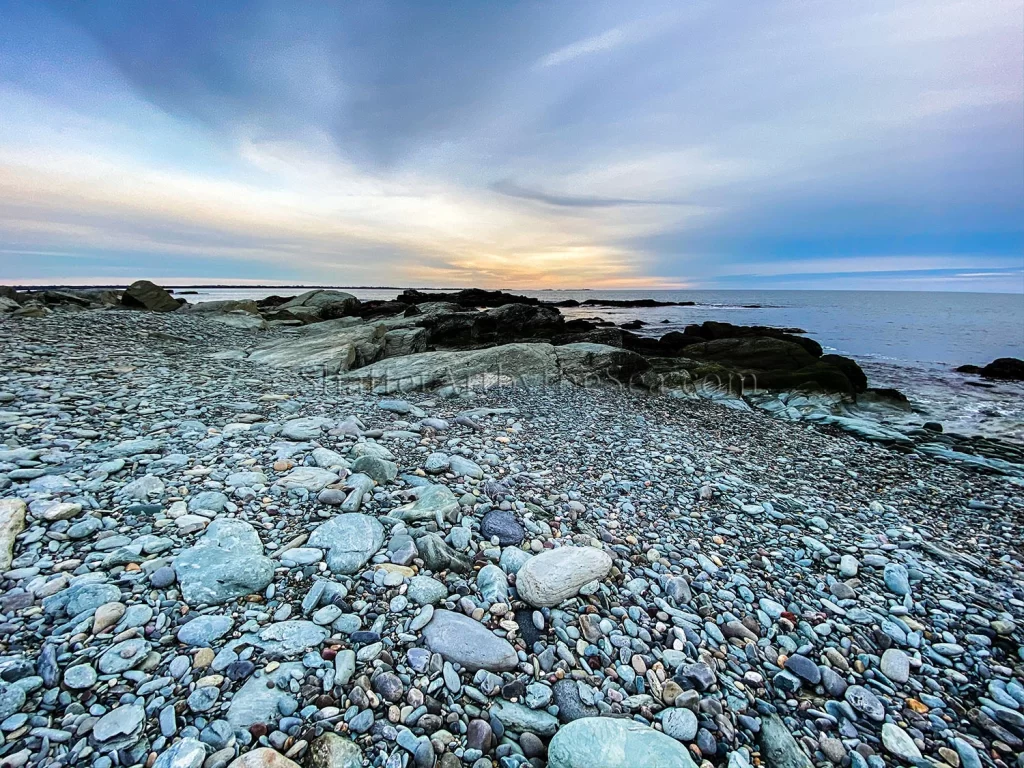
(699,584)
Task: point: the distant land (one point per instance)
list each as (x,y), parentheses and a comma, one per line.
(209,286)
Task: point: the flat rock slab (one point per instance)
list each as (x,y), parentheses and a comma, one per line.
(549,578)
(202,631)
(464,641)
(350,540)
(287,639)
(226,563)
(258,702)
(605,742)
(311,478)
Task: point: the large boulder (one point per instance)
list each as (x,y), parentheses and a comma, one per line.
(712,330)
(468,297)
(524,320)
(1006,368)
(7,292)
(226,563)
(334,346)
(605,742)
(323,304)
(228,305)
(142,294)
(405,341)
(585,363)
(528,364)
(758,352)
(510,364)
(502,324)
(764,362)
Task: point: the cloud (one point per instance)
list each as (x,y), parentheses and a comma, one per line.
(510,188)
(605,41)
(396,143)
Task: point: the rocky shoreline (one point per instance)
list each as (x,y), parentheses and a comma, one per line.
(232,537)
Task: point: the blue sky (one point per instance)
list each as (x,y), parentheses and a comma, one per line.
(570,144)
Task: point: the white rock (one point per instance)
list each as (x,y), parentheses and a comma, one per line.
(549,578)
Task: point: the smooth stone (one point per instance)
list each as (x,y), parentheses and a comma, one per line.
(202,631)
(601,742)
(520,718)
(187,753)
(898,742)
(462,640)
(680,724)
(547,579)
(426,590)
(287,639)
(895,665)
(504,525)
(256,702)
(263,757)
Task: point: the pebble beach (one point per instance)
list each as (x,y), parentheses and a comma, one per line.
(209,562)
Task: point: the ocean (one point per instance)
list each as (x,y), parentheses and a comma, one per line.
(910,341)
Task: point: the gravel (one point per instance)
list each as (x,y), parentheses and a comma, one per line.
(191,572)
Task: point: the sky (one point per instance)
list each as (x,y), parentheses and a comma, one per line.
(769,144)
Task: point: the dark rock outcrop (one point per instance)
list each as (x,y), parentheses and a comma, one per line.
(142,294)
(1005,368)
(322,304)
(499,325)
(712,330)
(470,298)
(758,362)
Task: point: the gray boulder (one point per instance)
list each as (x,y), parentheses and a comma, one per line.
(525,364)
(229,305)
(350,540)
(325,304)
(333,346)
(462,640)
(509,364)
(142,294)
(589,364)
(226,563)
